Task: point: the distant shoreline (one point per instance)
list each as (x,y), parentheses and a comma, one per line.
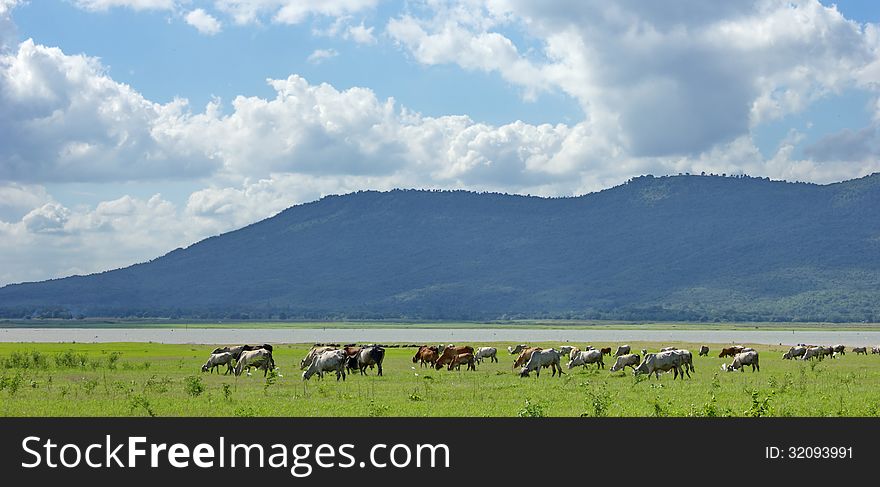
(501,325)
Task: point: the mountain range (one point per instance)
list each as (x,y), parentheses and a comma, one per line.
(686,247)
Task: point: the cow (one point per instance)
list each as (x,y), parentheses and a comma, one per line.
(794,352)
(730,351)
(351,353)
(813,352)
(260,358)
(860,350)
(605,351)
(841,349)
(668,349)
(449,353)
(486,353)
(704,351)
(621,350)
(875,350)
(313,353)
(828,351)
(741,360)
(218,359)
(644,352)
(586,357)
(687,360)
(462,358)
(368,357)
(655,363)
(517,349)
(235,351)
(542,358)
(426,355)
(566,349)
(631,360)
(524,356)
(327,361)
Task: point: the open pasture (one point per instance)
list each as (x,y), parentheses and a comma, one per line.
(139,379)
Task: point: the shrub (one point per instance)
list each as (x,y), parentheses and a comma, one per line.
(193,385)
(531,410)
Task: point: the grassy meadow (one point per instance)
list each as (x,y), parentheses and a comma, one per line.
(148,379)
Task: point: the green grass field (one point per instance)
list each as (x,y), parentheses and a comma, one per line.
(138,379)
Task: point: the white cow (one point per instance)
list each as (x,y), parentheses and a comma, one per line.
(260,358)
(329,361)
(218,359)
(814,352)
(630,360)
(687,360)
(655,363)
(741,360)
(542,358)
(586,357)
(313,353)
(875,350)
(794,352)
(621,350)
(486,352)
(668,349)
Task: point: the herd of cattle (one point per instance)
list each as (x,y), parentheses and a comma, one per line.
(341,360)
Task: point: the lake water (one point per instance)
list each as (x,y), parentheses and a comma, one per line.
(424,335)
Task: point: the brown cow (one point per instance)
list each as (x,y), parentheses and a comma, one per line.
(426,355)
(606,351)
(449,353)
(524,356)
(462,358)
(730,351)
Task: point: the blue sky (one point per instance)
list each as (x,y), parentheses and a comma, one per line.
(131,127)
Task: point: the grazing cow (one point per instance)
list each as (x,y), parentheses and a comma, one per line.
(828,351)
(517,349)
(450,353)
(606,351)
(542,358)
(794,352)
(586,357)
(730,351)
(218,359)
(566,349)
(524,356)
(370,356)
(631,360)
(655,363)
(860,350)
(704,351)
(351,353)
(742,359)
(486,352)
(668,349)
(875,350)
(327,361)
(621,350)
(235,351)
(463,358)
(687,360)
(313,353)
(426,356)
(841,349)
(260,358)
(813,352)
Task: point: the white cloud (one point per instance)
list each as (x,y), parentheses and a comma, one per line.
(318,56)
(204,22)
(290,11)
(361,34)
(101,5)
(63,119)
(675,79)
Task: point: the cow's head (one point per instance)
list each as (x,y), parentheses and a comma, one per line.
(524,372)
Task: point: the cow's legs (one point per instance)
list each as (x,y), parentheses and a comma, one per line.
(380,368)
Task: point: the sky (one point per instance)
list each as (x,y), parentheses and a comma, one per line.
(129,128)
